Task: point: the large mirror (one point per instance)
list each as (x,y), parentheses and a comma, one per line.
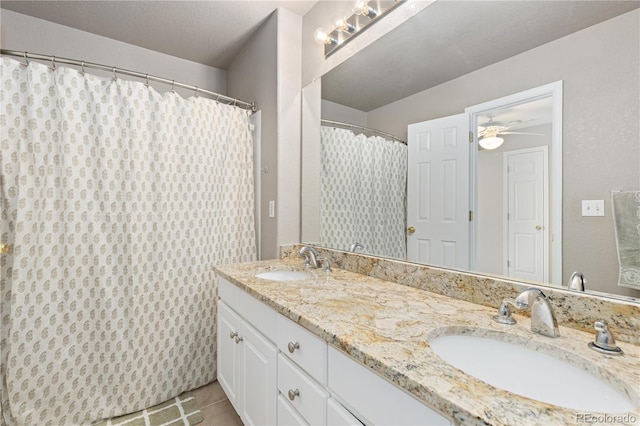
(454,57)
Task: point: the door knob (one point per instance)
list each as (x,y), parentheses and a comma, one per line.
(538,227)
(411,229)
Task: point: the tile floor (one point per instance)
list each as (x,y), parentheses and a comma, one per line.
(216,408)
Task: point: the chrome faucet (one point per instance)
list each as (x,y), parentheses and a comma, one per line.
(543,320)
(310,257)
(355,246)
(576,282)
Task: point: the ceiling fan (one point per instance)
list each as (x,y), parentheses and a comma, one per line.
(489,132)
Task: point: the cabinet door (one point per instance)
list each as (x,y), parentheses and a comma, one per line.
(260,391)
(228,353)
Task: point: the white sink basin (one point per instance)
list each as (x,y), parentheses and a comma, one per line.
(284,275)
(531,374)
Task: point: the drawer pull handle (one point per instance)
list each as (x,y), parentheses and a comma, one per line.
(239,339)
(293,394)
(233,334)
(293,346)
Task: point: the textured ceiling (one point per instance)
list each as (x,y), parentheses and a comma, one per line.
(208,32)
(451,38)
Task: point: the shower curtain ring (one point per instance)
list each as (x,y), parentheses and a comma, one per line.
(82,68)
(115,77)
(173,85)
(53,63)
(195,93)
(147,80)
(26,61)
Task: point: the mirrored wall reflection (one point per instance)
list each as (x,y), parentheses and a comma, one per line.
(362,192)
(514,185)
(600,113)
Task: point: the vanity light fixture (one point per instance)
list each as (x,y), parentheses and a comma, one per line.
(364,8)
(322,36)
(341,23)
(343,29)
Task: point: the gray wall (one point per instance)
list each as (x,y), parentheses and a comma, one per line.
(268,71)
(253,74)
(601,73)
(25,33)
(344,114)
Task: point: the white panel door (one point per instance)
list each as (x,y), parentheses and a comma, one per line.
(438,192)
(527,200)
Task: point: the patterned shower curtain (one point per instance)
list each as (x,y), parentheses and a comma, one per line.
(117,202)
(363,193)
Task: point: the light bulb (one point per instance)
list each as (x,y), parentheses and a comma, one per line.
(491,143)
(340,23)
(321,35)
(362,8)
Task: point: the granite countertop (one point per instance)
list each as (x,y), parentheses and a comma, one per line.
(387,326)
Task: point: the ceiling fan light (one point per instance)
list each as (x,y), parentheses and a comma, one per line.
(491,143)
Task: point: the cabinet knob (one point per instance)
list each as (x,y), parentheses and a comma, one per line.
(239,339)
(233,334)
(411,229)
(293,346)
(293,394)
(538,227)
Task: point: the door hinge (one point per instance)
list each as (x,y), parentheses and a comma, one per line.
(470,216)
(470,137)
(508,264)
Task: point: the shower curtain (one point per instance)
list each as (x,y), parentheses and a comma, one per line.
(363,192)
(117,202)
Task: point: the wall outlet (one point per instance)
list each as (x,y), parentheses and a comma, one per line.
(592,207)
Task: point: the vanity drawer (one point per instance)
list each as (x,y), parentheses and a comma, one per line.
(287,415)
(308,397)
(374,399)
(303,347)
(337,415)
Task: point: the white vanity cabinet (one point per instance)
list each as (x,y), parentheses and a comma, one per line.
(276,372)
(247,360)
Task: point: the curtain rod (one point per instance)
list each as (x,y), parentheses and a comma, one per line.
(368,129)
(53,59)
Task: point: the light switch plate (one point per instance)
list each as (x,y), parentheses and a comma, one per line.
(272,208)
(592,207)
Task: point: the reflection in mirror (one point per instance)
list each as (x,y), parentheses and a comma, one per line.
(592,47)
(512,217)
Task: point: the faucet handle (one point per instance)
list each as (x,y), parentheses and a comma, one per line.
(326,266)
(504,313)
(604,341)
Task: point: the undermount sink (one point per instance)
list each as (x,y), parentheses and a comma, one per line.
(284,275)
(529,373)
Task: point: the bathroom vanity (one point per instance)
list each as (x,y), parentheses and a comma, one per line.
(349,348)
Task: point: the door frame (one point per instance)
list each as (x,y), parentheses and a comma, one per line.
(554,90)
(545,214)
